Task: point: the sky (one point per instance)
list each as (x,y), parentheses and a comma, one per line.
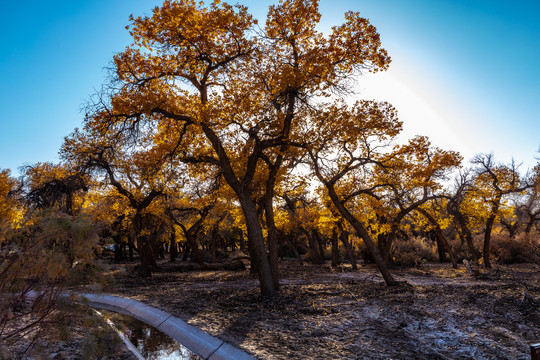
(464,72)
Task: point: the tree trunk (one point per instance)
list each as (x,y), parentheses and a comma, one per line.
(464,230)
(173,247)
(364,234)
(441,239)
(253,269)
(444,242)
(487,240)
(117,252)
(147,257)
(213,243)
(196,254)
(384,242)
(272,235)
(131,245)
(530,225)
(314,249)
(440,249)
(489,226)
(186,249)
(344,236)
(242,241)
(259,255)
(295,250)
(258,252)
(335,247)
(317,236)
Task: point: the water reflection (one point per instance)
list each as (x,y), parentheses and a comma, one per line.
(151,343)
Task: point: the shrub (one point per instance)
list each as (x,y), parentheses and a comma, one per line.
(46,253)
(521,249)
(414,251)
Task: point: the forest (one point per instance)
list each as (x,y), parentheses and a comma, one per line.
(222,150)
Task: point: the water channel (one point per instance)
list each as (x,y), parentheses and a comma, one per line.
(150,343)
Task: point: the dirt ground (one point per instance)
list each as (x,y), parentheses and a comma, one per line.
(325,313)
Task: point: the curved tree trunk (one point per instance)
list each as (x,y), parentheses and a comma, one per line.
(364,234)
(258,252)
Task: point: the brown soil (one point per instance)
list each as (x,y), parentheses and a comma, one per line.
(325,313)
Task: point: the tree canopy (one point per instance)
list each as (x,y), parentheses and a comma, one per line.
(210,118)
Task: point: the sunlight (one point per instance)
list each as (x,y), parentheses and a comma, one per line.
(418,116)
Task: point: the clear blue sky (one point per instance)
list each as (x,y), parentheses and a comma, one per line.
(466,73)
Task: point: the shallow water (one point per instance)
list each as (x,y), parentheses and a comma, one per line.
(150,342)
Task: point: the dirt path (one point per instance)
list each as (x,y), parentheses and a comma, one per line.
(322,313)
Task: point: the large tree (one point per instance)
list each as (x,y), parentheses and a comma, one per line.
(137,169)
(493,184)
(239,92)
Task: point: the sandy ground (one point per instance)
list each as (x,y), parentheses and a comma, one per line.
(325,313)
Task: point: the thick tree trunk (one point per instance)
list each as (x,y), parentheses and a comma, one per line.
(117,252)
(258,249)
(253,269)
(440,250)
(258,252)
(384,242)
(147,257)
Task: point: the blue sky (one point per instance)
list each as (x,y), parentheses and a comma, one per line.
(465,73)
